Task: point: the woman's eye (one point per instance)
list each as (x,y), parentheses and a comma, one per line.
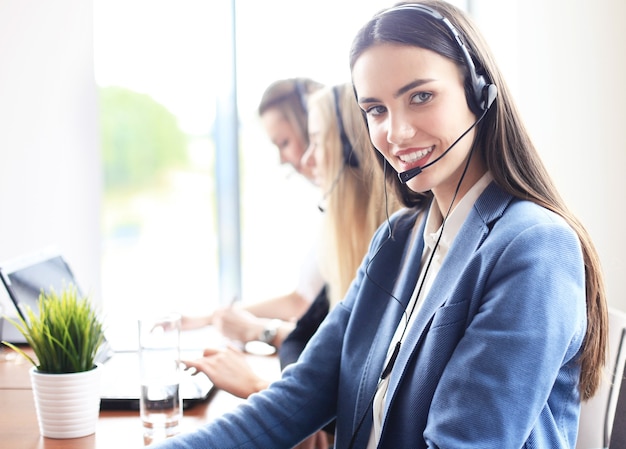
(421,97)
(375,110)
(283,145)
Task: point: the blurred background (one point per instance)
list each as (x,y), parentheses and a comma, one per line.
(161,65)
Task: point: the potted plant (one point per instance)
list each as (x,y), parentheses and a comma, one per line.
(65,337)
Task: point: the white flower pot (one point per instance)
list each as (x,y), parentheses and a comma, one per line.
(67,405)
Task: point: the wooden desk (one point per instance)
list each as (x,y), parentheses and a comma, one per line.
(116,429)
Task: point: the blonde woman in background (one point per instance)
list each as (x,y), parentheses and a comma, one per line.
(341,161)
(283,113)
(344,168)
(354,199)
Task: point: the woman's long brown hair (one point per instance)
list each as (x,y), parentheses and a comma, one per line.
(505,145)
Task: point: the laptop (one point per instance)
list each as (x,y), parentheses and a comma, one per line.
(26,276)
(23,278)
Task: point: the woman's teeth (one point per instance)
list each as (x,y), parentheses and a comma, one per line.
(412,157)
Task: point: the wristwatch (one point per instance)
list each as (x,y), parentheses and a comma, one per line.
(269,333)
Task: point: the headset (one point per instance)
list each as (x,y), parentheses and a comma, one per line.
(296,87)
(349,158)
(483,92)
(300,89)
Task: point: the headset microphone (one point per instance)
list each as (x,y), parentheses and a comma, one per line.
(490,92)
(332,187)
(406,176)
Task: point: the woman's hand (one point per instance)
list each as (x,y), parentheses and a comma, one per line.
(238,324)
(229,371)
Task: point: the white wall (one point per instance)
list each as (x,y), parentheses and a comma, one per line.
(49,157)
(566,63)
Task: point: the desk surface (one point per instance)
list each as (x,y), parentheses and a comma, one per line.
(18,418)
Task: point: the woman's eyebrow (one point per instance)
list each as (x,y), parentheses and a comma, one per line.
(412,85)
(399,92)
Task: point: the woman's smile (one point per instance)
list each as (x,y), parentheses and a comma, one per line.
(413,155)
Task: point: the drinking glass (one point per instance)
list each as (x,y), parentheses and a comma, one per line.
(160,402)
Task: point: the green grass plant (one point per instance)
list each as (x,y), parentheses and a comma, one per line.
(66,334)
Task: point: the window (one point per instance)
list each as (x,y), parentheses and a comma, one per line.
(158,68)
(154,68)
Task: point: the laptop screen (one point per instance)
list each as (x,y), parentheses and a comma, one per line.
(27,277)
(25,283)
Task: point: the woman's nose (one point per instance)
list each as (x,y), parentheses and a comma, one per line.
(400,129)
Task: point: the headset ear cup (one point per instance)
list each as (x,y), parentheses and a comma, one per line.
(490,92)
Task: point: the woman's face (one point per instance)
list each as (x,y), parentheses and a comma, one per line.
(416,108)
(291,146)
(314,158)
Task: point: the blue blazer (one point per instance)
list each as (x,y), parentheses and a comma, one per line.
(490,362)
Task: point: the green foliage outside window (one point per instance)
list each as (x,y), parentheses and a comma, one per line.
(141,140)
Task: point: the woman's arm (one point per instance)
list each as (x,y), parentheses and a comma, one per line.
(248,323)
(287,307)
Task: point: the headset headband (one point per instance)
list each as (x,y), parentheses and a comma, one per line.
(484,92)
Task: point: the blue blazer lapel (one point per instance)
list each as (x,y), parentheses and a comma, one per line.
(488,208)
(403,288)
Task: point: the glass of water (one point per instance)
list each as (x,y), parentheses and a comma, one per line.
(160,402)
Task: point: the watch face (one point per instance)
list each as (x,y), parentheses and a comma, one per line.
(270,331)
